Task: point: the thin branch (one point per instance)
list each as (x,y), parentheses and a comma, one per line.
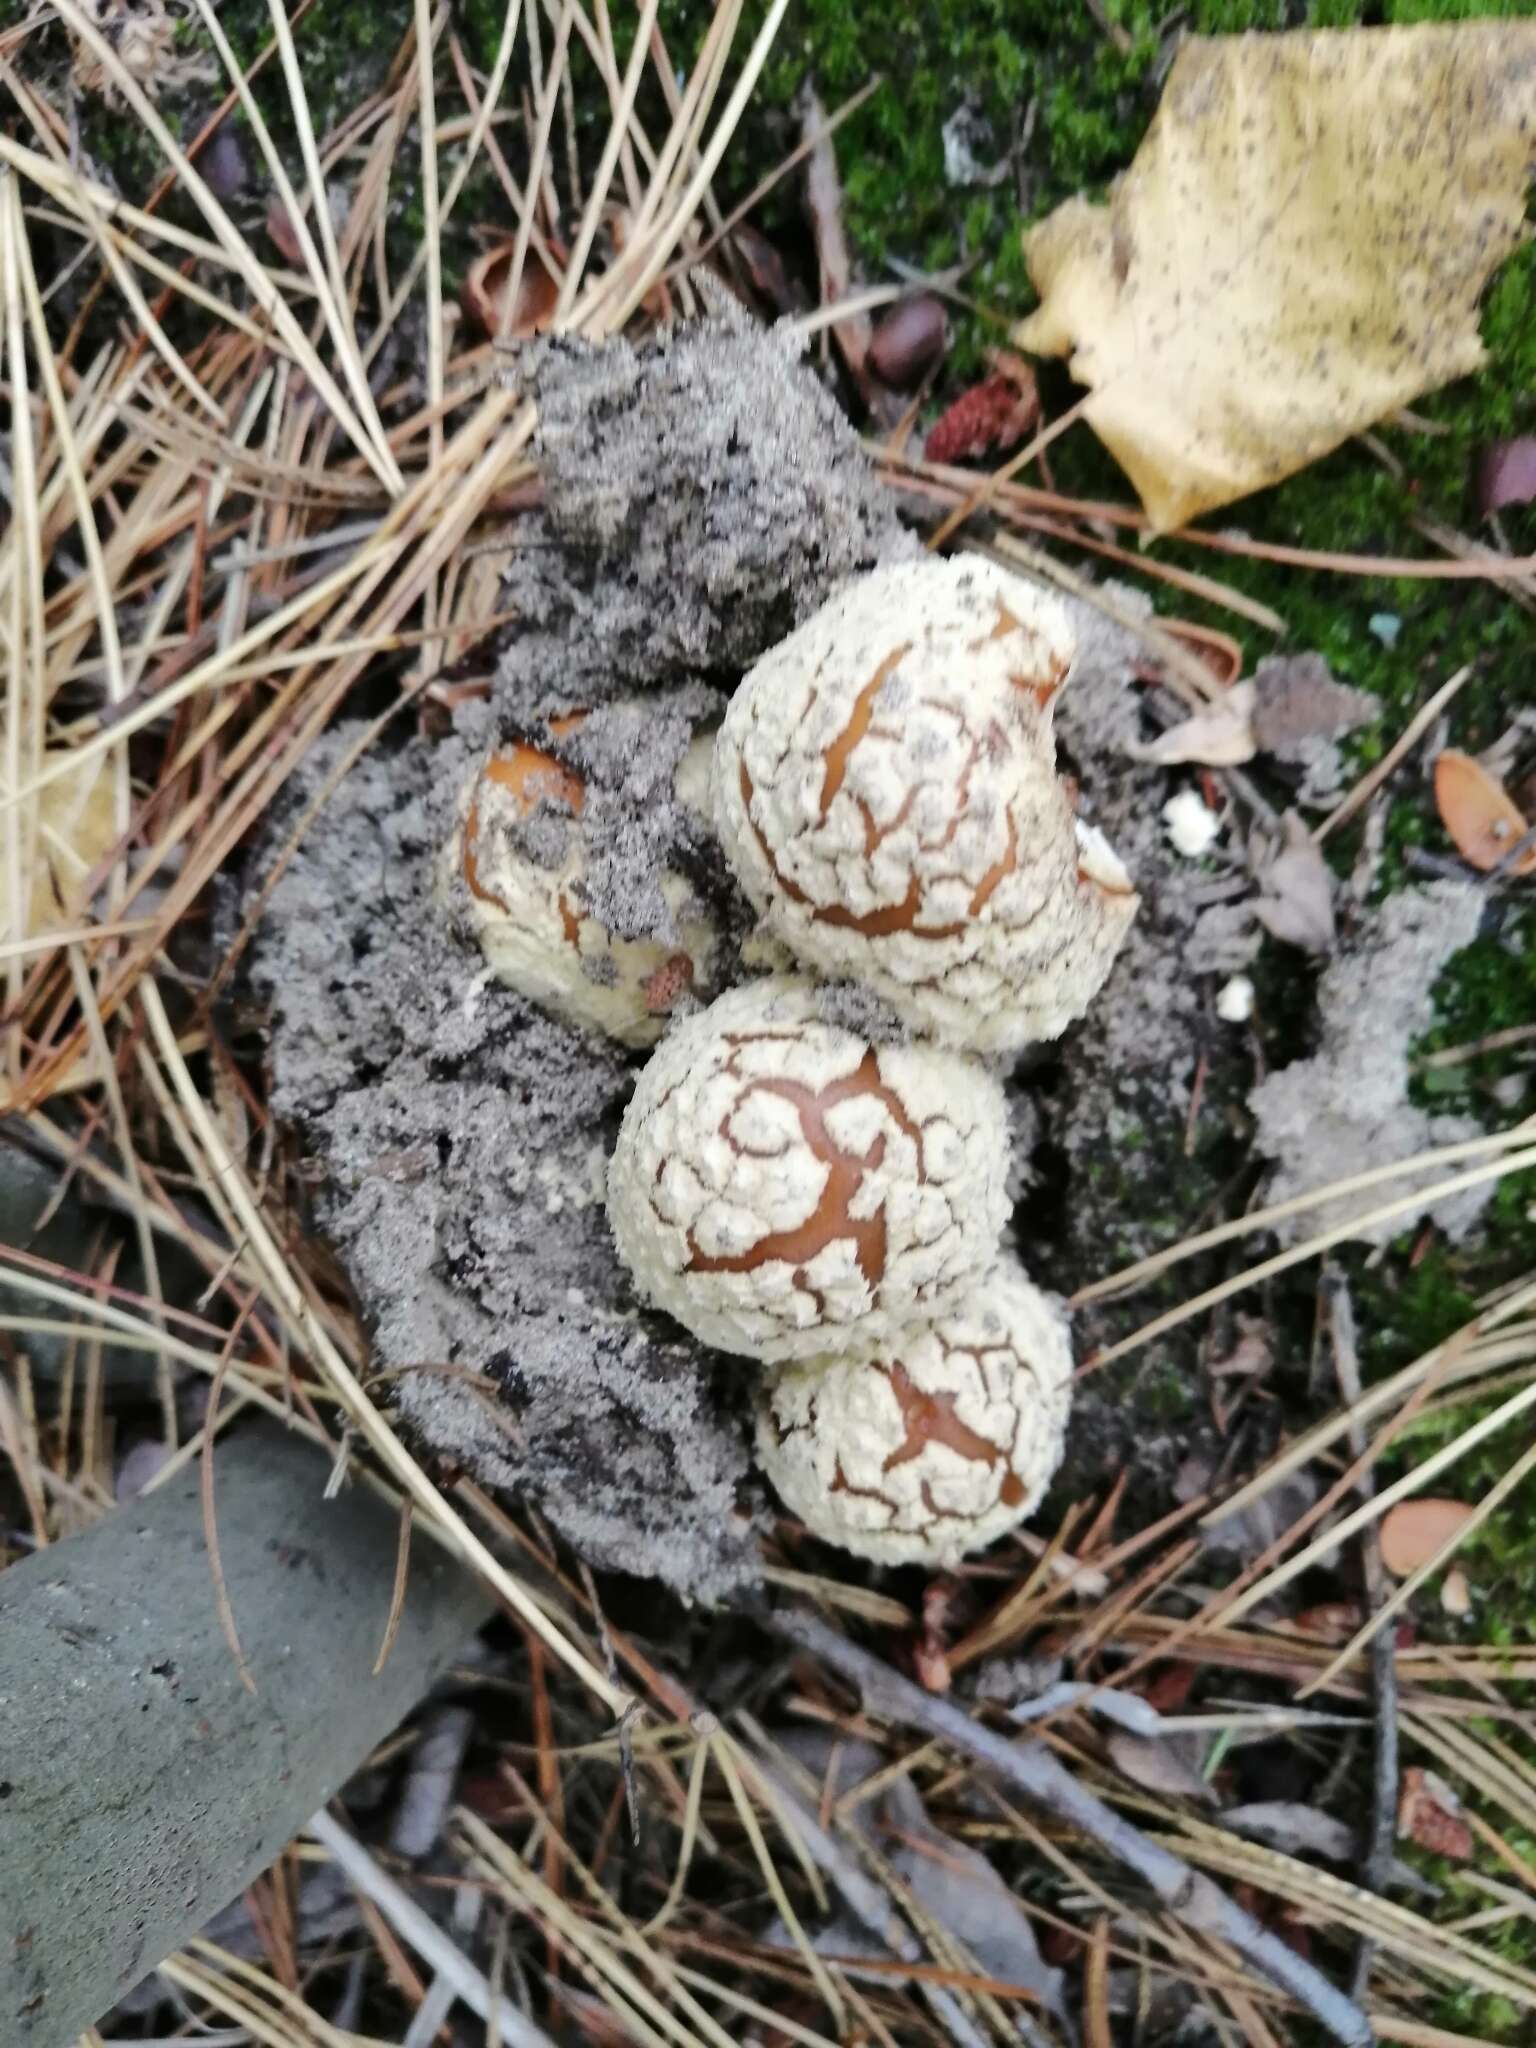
(1382,1839)
(1185,1893)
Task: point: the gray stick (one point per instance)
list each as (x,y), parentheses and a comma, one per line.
(141,1786)
(1381,1840)
(1183,1891)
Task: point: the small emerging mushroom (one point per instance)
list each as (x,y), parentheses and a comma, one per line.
(781,1186)
(515,864)
(886,791)
(921,1448)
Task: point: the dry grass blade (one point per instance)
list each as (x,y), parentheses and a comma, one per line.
(397,1594)
(231,519)
(1411,1482)
(1494,1498)
(1279,1212)
(1038,1774)
(1386,1212)
(256,279)
(310,1333)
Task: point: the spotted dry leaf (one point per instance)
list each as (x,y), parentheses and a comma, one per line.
(1296,251)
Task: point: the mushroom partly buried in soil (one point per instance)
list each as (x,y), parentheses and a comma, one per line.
(516,864)
(917,1450)
(782,1187)
(886,791)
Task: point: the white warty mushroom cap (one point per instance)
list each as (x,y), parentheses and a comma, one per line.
(918,1450)
(781,1186)
(532,921)
(886,791)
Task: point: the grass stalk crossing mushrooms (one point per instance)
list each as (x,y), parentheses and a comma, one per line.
(886,790)
(781,1185)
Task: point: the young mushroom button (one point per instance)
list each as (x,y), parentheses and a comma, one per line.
(781,1186)
(886,790)
(526,903)
(917,1450)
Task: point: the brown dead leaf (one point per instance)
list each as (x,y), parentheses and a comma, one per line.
(1219,738)
(1157,1767)
(1218,651)
(1334,1621)
(1479,814)
(487,285)
(1296,1829)
(1505,474)
(1297,700)
(75,827)
(763,268)
(1296,251)
(1251,1356)
(1296,891)
(1414,1530)
(824,209)
(1429,1813)
(280,232)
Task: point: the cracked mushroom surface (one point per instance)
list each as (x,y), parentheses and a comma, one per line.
(517,865)
(934,1444)
(782,1186)
(886,790)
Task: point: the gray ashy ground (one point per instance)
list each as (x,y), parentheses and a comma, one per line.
(701,496)
(1346,1109)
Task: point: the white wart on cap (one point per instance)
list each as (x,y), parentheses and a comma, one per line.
(886,790)
(781,1186)
(531,917)
(921,1449)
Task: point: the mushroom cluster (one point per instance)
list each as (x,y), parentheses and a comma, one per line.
(885,789)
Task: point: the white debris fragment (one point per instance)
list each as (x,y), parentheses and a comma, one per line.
(1234,1000)
(933,1443)
(1193,826)
(886,791)
(782,1187)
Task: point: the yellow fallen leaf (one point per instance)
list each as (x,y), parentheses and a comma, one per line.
(1296,251)
(75,827)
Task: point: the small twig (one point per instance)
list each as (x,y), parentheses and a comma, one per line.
(423,1933)
(402,1580)
(627,1718)
(865,1898)
(1494,1041)
(1377,1863)
(1186,1893)
(1395,755)
(210,1516)
(429,1784)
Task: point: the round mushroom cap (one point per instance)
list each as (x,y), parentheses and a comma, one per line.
(886,791)
(782,1186)
(515,868)
(917,1450)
